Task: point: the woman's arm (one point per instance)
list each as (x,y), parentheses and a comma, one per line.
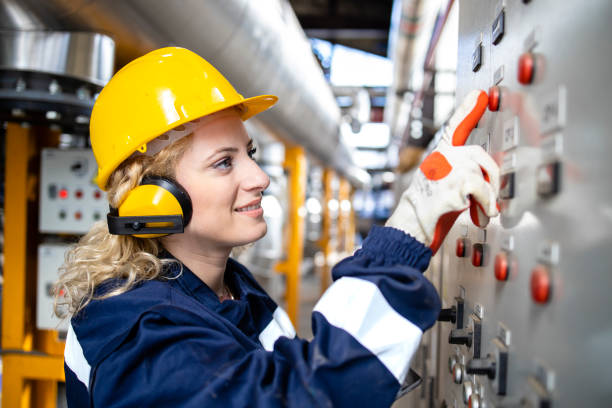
(366,329)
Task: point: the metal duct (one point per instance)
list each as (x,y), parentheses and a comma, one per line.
(85,56)
(258,45)
(406,24)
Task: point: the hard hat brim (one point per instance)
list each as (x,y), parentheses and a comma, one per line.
(256,104)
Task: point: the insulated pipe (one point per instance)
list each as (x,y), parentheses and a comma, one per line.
(259,46)
(428,63)
(406,22)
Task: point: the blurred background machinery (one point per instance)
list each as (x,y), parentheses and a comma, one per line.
(363,88)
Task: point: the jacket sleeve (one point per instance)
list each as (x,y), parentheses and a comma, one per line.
(366,329)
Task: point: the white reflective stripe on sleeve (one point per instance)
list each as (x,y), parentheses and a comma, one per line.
(74,358)
(358,307)
(280,325)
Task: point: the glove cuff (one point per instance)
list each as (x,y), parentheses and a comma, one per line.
(405,218)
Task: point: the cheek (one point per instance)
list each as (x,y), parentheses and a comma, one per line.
(211,202)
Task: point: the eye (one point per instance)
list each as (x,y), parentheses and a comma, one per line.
(223,164)
(252,152)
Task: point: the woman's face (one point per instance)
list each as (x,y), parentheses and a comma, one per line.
(224,183)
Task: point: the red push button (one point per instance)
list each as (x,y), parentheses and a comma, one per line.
(494,98)
(63,194)
(502,269)
(540,284)
(478,255)
(78,215)
(78,194)
(526,68)
(97,194)
(460,248)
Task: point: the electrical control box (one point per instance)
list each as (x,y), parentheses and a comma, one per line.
(526,319)
(70,202)
(50,258)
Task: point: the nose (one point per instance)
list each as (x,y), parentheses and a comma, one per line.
(255,178)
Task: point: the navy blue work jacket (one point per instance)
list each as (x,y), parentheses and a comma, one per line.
(171,343)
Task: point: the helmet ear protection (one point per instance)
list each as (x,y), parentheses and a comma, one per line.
(157,207)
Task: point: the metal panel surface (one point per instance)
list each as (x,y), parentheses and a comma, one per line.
(554,128)
(50,258)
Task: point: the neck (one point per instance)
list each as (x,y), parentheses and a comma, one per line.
(206,263)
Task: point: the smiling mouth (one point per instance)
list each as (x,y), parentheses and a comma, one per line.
(249,208)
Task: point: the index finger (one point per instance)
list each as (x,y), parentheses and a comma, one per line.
(467,116)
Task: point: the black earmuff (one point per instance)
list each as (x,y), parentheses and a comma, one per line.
(157,207)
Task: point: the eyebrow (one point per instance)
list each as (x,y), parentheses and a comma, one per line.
(229,149)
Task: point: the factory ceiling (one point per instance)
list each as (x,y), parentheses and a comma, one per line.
(361,24)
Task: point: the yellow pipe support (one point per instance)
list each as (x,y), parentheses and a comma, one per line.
(18,139)
(343,217)
(27,379)
(352,227)
(325,241)
(295,164)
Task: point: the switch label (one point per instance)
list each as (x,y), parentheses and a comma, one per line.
(553,111)
(511,133)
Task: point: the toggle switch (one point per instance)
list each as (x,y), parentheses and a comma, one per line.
(448,315)
(461,336)
(493,367)
(481,366)
(526,68)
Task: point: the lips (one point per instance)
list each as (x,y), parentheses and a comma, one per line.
(253,205)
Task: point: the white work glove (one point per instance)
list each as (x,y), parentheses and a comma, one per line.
(450,180)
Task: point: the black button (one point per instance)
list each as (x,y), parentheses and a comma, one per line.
(477,58)
(497,30)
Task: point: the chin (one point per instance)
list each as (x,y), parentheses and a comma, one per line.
(253,235)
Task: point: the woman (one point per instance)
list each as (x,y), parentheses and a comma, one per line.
(161,316)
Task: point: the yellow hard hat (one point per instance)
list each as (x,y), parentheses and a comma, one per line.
(154,94)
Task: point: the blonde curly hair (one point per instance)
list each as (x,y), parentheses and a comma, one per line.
(100,256)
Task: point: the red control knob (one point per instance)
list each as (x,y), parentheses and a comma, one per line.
(494,98)
(526,68)
(460,248)
(478,255)
(502,269)
(540,284)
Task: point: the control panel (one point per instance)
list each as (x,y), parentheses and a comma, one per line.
(70,202)
(50,258)
(526,320)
